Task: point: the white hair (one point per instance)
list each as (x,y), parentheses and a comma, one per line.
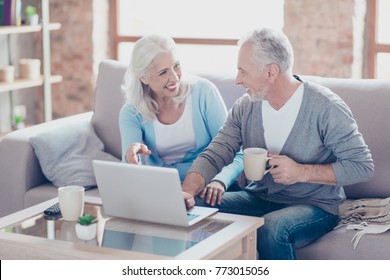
(270,47)
(137,93)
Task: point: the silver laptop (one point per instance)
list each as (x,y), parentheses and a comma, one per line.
(145,193)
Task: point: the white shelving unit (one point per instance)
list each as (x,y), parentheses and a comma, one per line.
(46,78)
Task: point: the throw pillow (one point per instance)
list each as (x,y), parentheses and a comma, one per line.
(65,154)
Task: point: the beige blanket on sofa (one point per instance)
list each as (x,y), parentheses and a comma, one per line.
(368,216)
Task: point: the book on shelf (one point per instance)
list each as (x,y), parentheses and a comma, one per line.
(11,12)
(8,12)
(1,11)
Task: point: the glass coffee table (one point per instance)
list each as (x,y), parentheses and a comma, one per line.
(29,234)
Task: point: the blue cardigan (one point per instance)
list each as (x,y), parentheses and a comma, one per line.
(208,115)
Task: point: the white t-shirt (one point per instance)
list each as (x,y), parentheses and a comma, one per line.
(174,140)
(278,123)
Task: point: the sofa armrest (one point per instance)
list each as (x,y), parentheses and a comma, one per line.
(19,167)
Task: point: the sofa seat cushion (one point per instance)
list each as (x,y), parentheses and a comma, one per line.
(337,245)
(47,191)
(65,154)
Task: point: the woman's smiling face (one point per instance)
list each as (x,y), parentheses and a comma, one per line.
(164,75)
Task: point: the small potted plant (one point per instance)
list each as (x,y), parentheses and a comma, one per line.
(31,14)
(86,227)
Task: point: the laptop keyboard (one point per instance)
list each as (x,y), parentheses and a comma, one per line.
(191,216)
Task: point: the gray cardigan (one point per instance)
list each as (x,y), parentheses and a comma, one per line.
(324,132)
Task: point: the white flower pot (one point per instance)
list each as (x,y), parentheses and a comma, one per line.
(86,232)
(32,20)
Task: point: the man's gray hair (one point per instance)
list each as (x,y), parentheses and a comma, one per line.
(270,47)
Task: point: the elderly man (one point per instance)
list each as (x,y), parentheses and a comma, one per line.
(311,136)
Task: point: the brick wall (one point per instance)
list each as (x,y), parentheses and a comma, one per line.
(73,55)
(327,36)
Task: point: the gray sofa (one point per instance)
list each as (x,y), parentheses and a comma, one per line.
(23,184)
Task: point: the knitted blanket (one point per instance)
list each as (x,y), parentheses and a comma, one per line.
(368,216)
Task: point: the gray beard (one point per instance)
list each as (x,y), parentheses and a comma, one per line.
(258,96)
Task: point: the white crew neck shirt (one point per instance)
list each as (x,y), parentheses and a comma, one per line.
(173,141)
(278,123)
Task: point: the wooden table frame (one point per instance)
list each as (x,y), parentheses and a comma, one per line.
(236,241)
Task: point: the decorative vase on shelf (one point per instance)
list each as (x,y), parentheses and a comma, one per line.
(86,227)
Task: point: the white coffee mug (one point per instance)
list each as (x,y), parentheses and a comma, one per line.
(255,163)
(71,200)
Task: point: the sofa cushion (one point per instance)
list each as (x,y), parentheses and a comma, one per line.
(369,101)
(230,92)
(337,245)
(65,154)
(46,191)
(108,102)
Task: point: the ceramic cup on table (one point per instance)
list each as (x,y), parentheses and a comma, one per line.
(71,199)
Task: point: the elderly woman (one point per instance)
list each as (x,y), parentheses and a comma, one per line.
(169,117)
